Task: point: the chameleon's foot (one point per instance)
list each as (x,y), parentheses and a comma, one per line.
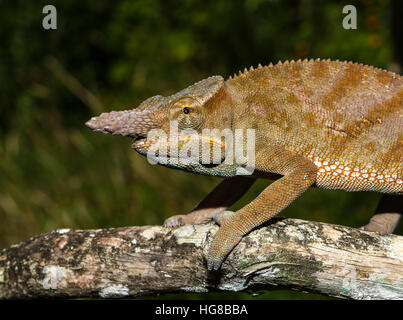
(387,215)
(225,240)
(183,219)
(384,223)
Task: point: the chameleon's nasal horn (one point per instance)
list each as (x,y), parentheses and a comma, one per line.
(131,123)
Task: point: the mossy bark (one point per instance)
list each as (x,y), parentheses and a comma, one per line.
(134,261)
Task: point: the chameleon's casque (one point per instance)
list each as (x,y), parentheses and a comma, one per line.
(332,124)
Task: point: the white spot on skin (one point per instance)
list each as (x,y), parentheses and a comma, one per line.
(134,241)
(114,291)
(55,277)
(92,235)
(63,231)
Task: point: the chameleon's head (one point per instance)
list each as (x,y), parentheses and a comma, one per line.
(166,125)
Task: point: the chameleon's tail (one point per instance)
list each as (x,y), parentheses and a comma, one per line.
(132,123)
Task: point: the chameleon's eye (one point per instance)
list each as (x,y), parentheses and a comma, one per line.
(187,111)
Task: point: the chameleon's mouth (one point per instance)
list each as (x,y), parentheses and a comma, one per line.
(138,141)
(194,149)
(141,144)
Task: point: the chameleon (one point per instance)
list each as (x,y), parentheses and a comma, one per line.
(317,123)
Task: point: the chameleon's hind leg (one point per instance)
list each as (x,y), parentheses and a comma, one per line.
(387,215)
(223,196)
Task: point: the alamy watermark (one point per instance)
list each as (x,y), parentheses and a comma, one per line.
(49,22)
(208,147)
(350,20)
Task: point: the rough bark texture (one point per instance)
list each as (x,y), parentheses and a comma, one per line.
(133,261)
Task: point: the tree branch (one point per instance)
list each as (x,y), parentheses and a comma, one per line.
(133,261)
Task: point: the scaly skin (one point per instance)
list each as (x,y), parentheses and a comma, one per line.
(330,124)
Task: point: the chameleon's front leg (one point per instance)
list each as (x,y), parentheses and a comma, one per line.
(299,174)
(223,196)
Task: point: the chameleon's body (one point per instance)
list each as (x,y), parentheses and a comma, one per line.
(332,124)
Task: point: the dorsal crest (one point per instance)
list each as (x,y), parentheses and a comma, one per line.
(304,62)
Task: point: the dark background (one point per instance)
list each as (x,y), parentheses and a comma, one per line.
(111,55)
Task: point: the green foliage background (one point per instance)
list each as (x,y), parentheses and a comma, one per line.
(111,55)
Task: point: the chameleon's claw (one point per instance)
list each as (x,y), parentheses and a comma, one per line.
(225,240)
(214,265)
